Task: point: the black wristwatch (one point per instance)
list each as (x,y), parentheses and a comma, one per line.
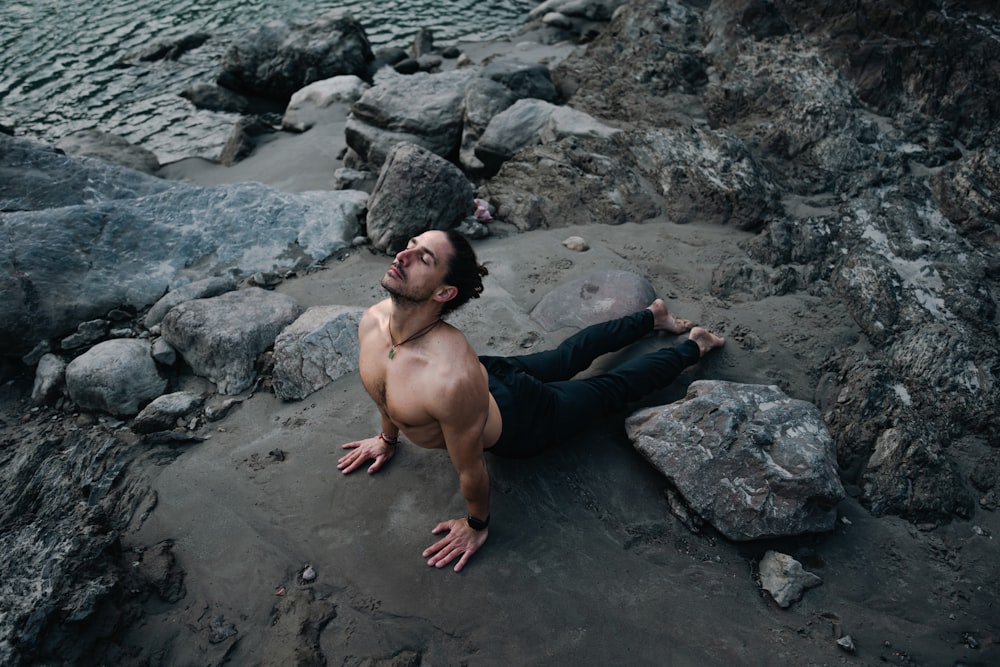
(477,524)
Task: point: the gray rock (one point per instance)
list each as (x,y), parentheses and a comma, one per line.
(484,99)
(243,139)
(34,176)
(215,98)
(163,353)
(784,578)
(199,289)
(117,376)
(221,337)
(50,378)
(747,458)
(78,262)
(594,10)
(86,333)
(354,179)
(596,297)
(303,109)
(523,80)
(280,58)
(424,109)
(316,349)
(513,129)
(416,191)
(111,148)
(163,412)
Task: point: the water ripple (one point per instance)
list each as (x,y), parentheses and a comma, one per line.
(60,72)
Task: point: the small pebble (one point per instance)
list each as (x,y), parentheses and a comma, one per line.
(309,573)
(846,643)
(576,243)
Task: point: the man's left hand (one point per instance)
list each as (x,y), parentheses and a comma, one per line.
(461,541)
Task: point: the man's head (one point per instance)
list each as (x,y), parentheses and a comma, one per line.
(438,266)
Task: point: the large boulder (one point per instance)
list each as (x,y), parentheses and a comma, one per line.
(416,191)
(199,289)
(746,458)
(423,109)
(280,58)
(97,247)
(221,337)
(117,376)
(314,350)
(307,105)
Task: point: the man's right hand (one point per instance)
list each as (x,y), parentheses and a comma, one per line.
(363,451)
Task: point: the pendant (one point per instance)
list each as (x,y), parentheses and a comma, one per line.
(392,351)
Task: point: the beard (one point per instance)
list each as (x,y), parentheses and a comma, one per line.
(401,296)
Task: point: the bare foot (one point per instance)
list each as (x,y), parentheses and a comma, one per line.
(664,320)
(706,340)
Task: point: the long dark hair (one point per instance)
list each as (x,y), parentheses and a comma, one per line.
(464,272)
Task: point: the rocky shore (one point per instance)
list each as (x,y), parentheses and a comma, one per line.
(820,184)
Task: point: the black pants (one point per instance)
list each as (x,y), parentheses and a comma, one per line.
(540,404)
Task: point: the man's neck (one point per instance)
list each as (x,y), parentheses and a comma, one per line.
(407,318)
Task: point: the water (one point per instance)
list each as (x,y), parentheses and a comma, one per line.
(61,72)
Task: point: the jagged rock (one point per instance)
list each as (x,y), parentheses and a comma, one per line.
(316,349)
(215,98)
(594,10)
(163,353)
(484,99)
(523,80)
(243,139)
(416,191)
(199,289)
(747,458)
(968,191)
(596,297)
(117,376)
(423,109)
(220,337)
(162,412)
(784,578)
(50,378)
(86,333)
(114,249)
(529,122)
(303,109)
(909,474)
(111,148)
(280,58)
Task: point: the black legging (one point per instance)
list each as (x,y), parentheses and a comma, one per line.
(540,404)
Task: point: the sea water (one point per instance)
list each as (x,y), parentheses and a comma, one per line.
(69,65)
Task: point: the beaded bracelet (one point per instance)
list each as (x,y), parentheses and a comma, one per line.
(387,440)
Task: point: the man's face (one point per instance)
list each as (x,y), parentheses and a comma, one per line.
(419,270)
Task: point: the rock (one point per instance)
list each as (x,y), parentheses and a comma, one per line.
(596,297)
(847,643)
(243,139)
(968,192)
(115,249)
(86,333)
(316,349)
(216,408)
(215,98)
(516,127)
(484,99)
(50,378)
(523,80)
(117,376)
(784,578)
(909,474)
(416,191)
(594,10)
(423,109)
(423,42)
(34,177)
(302,111)
(750,460)
(163,353)
(220,337)
(576,243)
(199,289)
(280,58)
(109,147)
(353,179)
(163,412)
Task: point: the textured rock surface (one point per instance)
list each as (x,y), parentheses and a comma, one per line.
(314,350)
(117,376)
(747,458)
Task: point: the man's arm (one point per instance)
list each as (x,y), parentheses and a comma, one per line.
(462,421)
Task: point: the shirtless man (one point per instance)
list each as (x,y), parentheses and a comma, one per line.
(429,384)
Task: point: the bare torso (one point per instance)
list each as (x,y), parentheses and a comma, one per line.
(408,387)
